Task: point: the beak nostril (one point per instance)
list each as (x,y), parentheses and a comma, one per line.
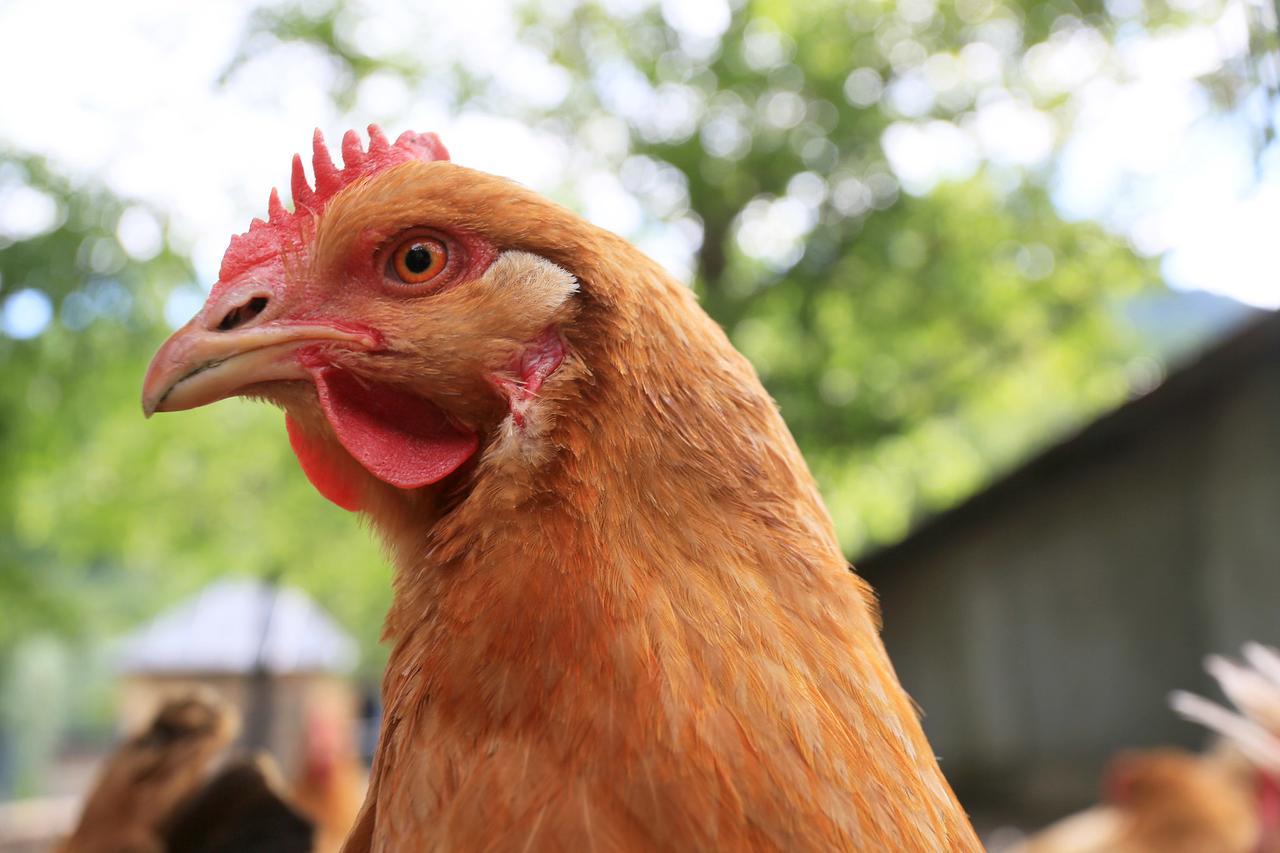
(242,314)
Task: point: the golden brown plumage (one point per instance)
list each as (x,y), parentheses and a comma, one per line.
(625,623)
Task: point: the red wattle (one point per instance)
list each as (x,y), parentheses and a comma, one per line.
(399,437)
(317,463)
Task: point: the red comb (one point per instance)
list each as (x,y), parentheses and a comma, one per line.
(284,230)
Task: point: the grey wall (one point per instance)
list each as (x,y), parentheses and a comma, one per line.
(1042,628)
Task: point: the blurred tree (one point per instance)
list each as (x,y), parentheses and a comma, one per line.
(34,701)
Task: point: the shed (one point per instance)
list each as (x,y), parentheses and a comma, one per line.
(1041,624)
(269,650)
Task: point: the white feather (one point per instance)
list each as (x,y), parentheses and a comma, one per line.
(1259,745)
(1265,660)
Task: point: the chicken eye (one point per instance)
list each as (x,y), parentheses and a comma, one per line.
(418,259)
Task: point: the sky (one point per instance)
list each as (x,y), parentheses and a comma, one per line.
(128,96)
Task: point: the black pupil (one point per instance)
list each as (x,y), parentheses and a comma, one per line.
(417,259)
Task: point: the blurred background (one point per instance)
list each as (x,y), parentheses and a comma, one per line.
(1007,267)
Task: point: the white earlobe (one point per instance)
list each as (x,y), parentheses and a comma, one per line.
(541,286)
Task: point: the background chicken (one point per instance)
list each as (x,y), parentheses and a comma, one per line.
(1226,800)
(1165,800)
(170,789)
(622,619)
(242,809)
(151,774)
(178,787)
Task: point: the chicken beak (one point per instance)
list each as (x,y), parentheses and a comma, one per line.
(197,365)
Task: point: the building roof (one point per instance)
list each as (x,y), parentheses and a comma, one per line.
(1186,390)
(235,626)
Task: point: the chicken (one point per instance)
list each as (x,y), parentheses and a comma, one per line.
(241,810)
(158,792)
(1226,800)
(1250,735)
(1254,688)
(1160,801)
(146,778)
(621,617)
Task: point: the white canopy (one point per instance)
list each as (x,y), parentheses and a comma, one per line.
(233,626)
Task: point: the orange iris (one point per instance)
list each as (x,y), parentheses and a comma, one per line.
(419,259)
